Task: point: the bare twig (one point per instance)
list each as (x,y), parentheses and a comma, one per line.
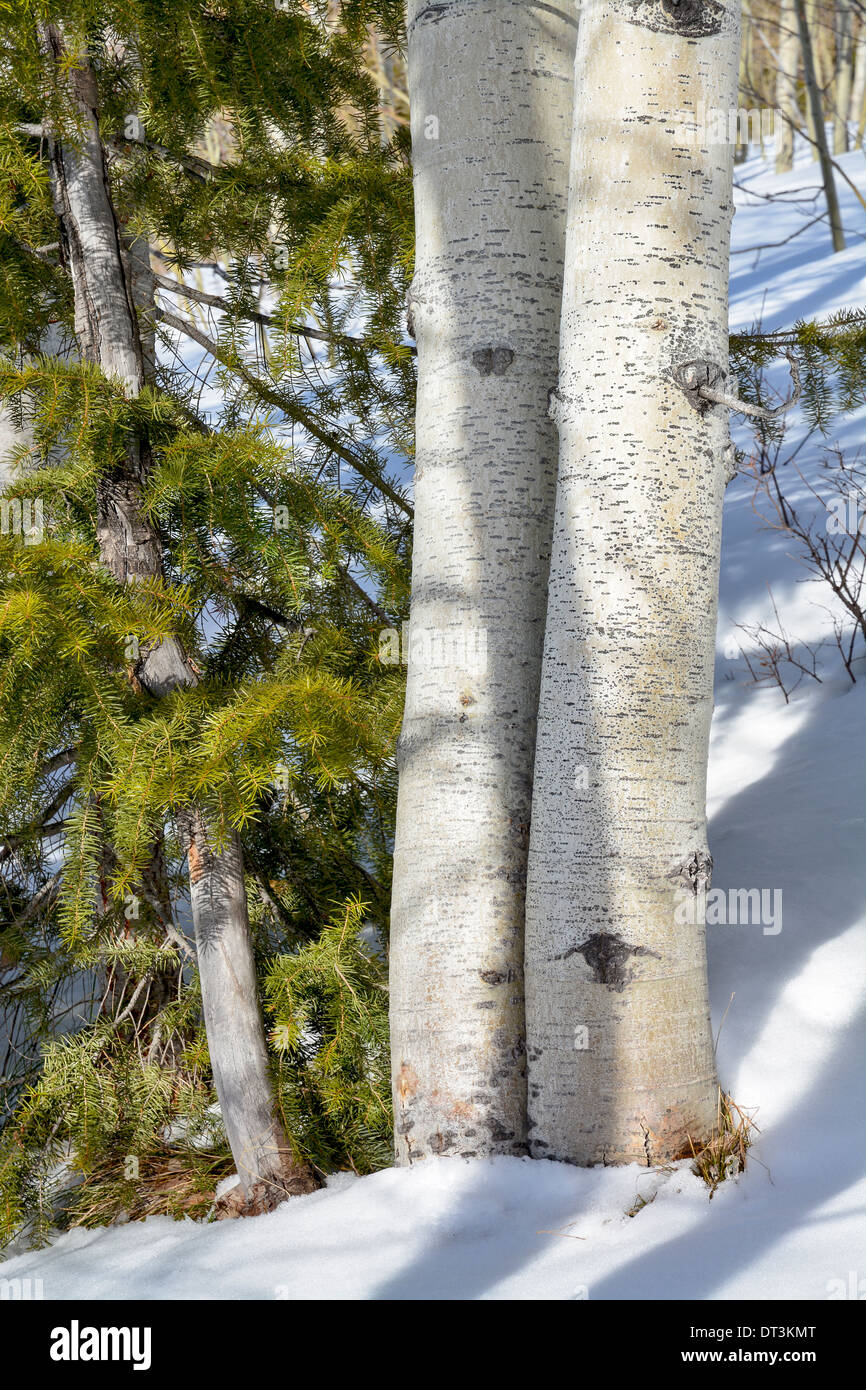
(709,393)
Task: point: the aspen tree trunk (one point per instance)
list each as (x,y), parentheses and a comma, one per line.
(812,21)
(857,112)
(815,106)
(490,89)
(620,1052)
(744,84)
(821,30)
(107,333)
(385,67)
(844,74)
(786,86)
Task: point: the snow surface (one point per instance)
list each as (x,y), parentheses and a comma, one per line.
(786,801)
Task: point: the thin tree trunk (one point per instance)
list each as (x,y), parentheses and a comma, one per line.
(813,96)
(821,32)
(107,331)
(490,87)
(744,84)
(844,74)
(621,1064)
(811,13)
(385,68)
(786,86)
(236,1041)
(857,113)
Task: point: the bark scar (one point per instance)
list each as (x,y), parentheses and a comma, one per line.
(492,360)
(690,19)
(196,863)
(607,956)
(697,872)
(407,1082)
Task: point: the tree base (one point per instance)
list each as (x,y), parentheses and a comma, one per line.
(265,1196)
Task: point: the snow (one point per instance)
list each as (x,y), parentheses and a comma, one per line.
(786,807)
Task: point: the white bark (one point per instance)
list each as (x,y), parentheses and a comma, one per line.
(786,86)
(621,1064)
(490,88)
(857,113)
(744,83)
(105,322)
(844,74)
(54,342)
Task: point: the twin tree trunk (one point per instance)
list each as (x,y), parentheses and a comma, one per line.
(490,85)
(621,1062)
(107,333)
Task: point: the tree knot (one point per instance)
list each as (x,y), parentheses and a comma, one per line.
(692,377)
(697,872)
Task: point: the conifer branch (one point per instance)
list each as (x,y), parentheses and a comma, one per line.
(300,330)
(44,898)
(342,570)
(199,169)
(289,404)
(44,827)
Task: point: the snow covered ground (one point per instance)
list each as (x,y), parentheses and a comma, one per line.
(786,798)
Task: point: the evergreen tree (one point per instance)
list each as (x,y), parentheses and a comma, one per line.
(281,538)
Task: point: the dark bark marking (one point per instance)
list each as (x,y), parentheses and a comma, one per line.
(498,977)
(431,15)
(443,1143)
(436,12)
(607,956)
(689,19)
(697,872)
(492,360)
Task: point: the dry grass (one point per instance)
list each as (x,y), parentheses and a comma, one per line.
(169,1183)
(724,1154)
(640,1203)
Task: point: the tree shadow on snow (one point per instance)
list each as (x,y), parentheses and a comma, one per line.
(785,831)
